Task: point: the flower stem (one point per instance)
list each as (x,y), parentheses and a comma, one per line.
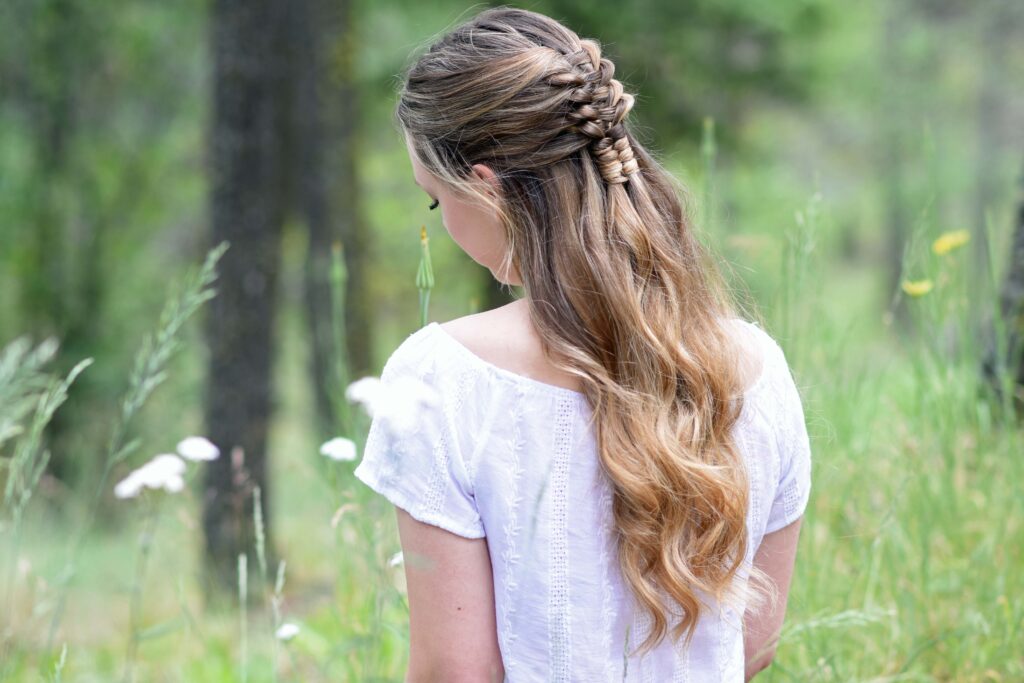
(135,606)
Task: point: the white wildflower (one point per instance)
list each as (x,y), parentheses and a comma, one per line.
(128,487)
(164,471)
(174,483)
(339,448)
(198,448)
(396,559)
(399,402)
(366,392)
(287,631)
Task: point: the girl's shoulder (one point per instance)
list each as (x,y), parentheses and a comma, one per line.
(499,347)
(776,393)
(761,356)
(434,354)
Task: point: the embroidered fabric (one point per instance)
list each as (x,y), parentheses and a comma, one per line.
(514,459)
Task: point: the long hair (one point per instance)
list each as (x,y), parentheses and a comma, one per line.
(620,290)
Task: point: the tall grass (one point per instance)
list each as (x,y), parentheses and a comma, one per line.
(23,383)
(906,569)
(24,386)
(906,564)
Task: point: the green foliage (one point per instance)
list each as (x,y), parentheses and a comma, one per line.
(835,127)
(29,460)
(22,382)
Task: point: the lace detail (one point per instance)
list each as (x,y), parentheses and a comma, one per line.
(754,476)
(493,410)
(791,499)
(720,645)
(559,613)
(681,664)
(607,611)
(436,490)
(510,554)
(642,625)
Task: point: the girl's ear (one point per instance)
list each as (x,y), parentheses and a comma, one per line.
(485,174)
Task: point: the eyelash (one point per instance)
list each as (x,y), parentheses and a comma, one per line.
(434,205)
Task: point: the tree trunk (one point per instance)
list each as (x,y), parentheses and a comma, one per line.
(997,28)
(1011,306)
(247,204)
(46,296)
(327,106)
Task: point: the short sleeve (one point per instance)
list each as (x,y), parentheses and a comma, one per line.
(412,455)
(794,485)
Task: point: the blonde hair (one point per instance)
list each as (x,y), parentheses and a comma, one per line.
(620,290)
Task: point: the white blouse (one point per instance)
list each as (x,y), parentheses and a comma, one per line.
(506,457)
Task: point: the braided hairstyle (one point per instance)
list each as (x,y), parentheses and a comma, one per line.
(601,108)
(618,286)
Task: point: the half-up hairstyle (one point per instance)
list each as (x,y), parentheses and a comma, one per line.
(620,289)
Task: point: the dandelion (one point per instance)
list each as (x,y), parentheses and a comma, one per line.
(164,471)
(339,448)
(286,631)
(198,448)
(396,559)
(916,287)
(948,241)
(424,275)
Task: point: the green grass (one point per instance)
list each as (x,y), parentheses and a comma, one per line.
(907,568)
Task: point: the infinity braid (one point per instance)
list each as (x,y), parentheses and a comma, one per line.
(602,108)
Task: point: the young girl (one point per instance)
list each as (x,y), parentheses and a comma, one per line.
(607,479)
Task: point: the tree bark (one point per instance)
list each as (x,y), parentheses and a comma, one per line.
(997,29)
(247,204)
(327,119)
(1011,306)
(47,303)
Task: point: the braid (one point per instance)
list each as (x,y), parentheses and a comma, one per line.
(602,108)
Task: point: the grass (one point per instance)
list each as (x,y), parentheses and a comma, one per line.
(907,568)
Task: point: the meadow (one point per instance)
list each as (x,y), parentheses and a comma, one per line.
(827,145)
(906,569)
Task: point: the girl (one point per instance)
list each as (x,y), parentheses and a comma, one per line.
(607,478)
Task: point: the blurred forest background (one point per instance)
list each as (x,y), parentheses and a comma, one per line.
(857,164)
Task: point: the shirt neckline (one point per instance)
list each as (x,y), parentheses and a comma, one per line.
(554,388)
(503,372)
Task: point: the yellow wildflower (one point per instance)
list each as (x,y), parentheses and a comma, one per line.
(916,287)
(948,241)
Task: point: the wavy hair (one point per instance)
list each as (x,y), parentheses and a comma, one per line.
(620,290)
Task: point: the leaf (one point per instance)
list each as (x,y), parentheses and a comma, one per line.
(161,629)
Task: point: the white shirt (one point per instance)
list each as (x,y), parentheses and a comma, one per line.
(511,458)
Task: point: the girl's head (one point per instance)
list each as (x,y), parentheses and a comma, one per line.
(519,129)
(503,116)
(472,224)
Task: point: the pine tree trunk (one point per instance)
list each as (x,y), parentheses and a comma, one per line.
(327,117)
(247,203)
